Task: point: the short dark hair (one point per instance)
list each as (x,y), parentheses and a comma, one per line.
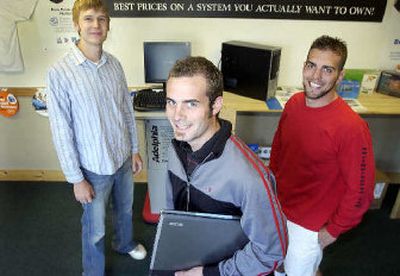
(333,44)
(192,66)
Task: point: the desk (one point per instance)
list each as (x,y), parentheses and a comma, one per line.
(234,105)
(378,106)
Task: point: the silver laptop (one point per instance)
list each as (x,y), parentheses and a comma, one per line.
(187,239)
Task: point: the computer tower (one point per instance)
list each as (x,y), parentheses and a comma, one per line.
(250,69)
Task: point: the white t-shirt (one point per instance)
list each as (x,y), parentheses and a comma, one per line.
(12,11)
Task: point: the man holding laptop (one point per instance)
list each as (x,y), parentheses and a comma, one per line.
(210,170)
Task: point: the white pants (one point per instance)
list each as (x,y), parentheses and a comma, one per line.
(304,253)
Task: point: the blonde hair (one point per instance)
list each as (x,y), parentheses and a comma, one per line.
(84,5)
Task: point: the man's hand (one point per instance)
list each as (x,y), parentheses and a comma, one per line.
(84,192)
(137,164)
(195,271)
(325,238)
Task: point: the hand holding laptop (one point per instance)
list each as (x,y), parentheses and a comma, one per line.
(185,241)
(195,271)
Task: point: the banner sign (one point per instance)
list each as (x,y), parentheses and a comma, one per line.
(343,10)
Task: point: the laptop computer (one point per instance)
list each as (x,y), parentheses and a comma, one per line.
(188,239)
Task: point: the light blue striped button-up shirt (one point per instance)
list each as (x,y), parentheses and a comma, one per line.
(91,114)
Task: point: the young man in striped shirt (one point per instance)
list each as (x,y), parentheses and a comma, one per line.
(94,133)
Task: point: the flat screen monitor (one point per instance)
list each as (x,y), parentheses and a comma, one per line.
(159,57)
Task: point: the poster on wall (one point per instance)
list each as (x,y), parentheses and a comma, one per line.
(8,103)
(39,102)
(394,53)
(343,10)
(57,26)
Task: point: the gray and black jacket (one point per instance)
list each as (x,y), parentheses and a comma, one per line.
(231,179)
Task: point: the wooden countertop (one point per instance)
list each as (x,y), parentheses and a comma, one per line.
(376,104)
(380,104)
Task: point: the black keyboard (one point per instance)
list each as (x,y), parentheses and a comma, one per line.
(149,100)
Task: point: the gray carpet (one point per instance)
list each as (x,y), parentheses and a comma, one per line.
(40,235)
(40,232)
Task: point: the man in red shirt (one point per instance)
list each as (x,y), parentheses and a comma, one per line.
(323,160)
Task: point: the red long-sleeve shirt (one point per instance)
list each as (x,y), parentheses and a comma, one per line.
(324,165)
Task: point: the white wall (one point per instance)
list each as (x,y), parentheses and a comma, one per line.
(369,43)
(26,137)
(27,141)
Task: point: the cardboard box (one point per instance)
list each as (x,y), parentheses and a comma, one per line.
(369,82)
(381,184)
(368,78)
(379,195)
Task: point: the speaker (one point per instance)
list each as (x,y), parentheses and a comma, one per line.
(250,69)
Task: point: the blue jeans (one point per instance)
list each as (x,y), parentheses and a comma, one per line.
(120,187)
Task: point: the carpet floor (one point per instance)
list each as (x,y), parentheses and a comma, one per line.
(40,235)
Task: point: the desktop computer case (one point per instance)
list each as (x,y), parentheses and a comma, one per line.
(250,69)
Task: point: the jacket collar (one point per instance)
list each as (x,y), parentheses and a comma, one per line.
(215,146)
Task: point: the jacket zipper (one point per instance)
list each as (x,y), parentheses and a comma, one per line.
(189,180)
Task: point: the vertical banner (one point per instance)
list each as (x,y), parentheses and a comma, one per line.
(343,10)
(158,135)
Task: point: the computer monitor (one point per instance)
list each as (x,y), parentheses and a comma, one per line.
(159,57)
